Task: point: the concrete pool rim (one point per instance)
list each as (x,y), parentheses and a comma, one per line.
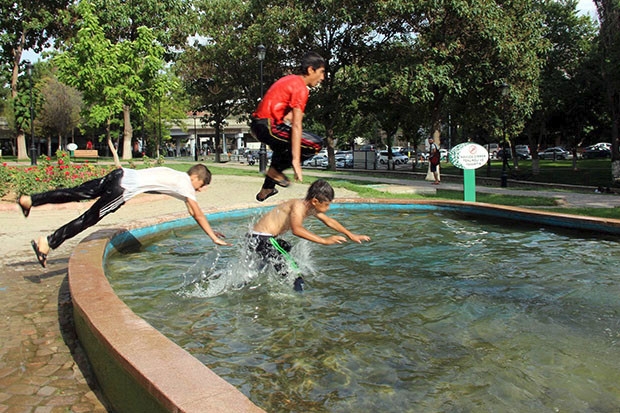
(139,368)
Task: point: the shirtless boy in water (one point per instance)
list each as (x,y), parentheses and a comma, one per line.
(290,215)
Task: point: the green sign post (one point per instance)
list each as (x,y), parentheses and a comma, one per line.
(469,157)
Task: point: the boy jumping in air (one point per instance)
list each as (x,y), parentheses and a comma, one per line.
(113,190)
(277,122)
(290,215)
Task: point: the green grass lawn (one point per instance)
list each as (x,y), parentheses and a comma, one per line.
(589,172)
(592,172)
(554,170)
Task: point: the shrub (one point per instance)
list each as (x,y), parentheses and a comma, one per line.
(48,175)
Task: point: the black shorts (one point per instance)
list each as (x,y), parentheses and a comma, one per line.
(271,250)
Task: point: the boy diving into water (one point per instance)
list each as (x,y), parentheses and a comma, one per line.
(113,190)
(290,215)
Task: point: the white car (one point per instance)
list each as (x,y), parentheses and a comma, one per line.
(397,157)
(316,160)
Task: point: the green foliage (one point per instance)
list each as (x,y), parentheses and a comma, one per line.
(48,175)
(27,25)
(171,21)
(609,55)
(59,114)
(115,78)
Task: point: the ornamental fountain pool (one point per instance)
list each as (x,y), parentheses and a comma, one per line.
(441,311)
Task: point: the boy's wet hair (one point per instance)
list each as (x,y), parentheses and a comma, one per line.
(202,172)
(311,60)
(321,190)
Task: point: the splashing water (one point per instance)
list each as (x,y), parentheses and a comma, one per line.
(213,274)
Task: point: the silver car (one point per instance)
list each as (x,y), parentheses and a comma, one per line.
(555,153)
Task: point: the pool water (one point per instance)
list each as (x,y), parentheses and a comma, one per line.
(436,314)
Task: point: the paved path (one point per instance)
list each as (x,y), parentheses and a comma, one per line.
(42,366)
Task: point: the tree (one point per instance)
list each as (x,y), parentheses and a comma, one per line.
(565,100)
(171,21)
(609,45)
(462,52)
(60,111)
(212,80)
(345,33)
(114,77)
(164,112)
(26,25)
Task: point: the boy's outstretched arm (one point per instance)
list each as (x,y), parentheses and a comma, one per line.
(297,228)
(296,130)
(201,220)
(337,226)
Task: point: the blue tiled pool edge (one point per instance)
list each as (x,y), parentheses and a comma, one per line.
(536,217)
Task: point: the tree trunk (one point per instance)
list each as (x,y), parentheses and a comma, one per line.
(218,144)
(127,132)
(436,119)
(22,150)
(609,17)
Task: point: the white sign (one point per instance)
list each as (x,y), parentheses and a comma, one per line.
(469,156)
(72,146)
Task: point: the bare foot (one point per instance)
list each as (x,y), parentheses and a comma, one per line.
(41,249)
(44,246)
(25,203)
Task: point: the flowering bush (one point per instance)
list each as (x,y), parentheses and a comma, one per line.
(47,175)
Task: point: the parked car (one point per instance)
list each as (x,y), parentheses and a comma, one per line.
(492,148)
(555,153)
(397,157)
(520,153)
(523,153)
(410,152)
(605,145)
(316,160)
(592,152)
(523,149)
(344,159)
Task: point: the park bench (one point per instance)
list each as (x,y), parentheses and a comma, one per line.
(85,154)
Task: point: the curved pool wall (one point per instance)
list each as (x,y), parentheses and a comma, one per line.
(139,369)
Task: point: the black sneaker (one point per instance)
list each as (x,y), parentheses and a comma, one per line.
(298,285)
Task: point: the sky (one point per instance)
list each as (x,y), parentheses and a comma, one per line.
(584,6)
(587,7)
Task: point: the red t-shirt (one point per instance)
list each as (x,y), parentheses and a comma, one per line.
(286,94)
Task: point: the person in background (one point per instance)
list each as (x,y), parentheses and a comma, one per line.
(434,158)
